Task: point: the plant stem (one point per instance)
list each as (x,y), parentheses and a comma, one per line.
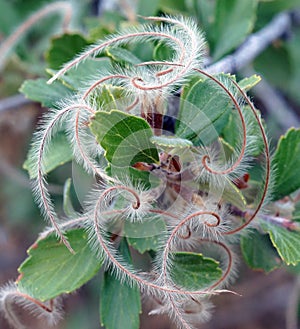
(255,44)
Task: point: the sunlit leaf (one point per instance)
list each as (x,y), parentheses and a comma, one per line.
(125,138)
(286,242)
(193,271)
(204,110)
(51,270)
(48,95)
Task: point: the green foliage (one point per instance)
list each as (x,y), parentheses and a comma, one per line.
(249,82)
(196,121)
(73,79)
(193,271)
(259,253)
(120,304)
(63,48)
(50,270)
(147,8)
(58,154)
(121,55)
(67,202)
(173,7)
(286,161)
(171,142)
(39,91)
(231,134)
(145,236)
(234,20)
(286,242)
(296,212)
(124,137)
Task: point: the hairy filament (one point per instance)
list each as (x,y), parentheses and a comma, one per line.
(191,39)
(229,266)
(110,254)
(182,223)
(10,297)
(88,162)
(42,192)
(132,105)
(268,165)
(136,205)
(99,48)
(76,222)
(206,158)
(10,42)
(98,82)
(178,314)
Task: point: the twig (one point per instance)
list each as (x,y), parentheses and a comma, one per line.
(274,103)
(276,220)
(13,102)
(255,44)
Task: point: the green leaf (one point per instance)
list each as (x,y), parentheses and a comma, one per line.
(51,269)
(286,242)
(63,48)
(258,252)
(287,163)
(48,95)
(204,110)
(162,52)
(67,202)
(144,236)
(165,141)
(233,195)
(234,20)
(109,96)
(59,152)
(232,134)
(119,54)
(73,78)
(137,177)
(230,194)
(120,304)
(193,271)
(249,82)
(204,11)
(125,138)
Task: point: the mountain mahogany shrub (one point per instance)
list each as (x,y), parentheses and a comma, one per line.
(173,150)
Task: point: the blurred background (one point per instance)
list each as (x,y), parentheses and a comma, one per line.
(267,301)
